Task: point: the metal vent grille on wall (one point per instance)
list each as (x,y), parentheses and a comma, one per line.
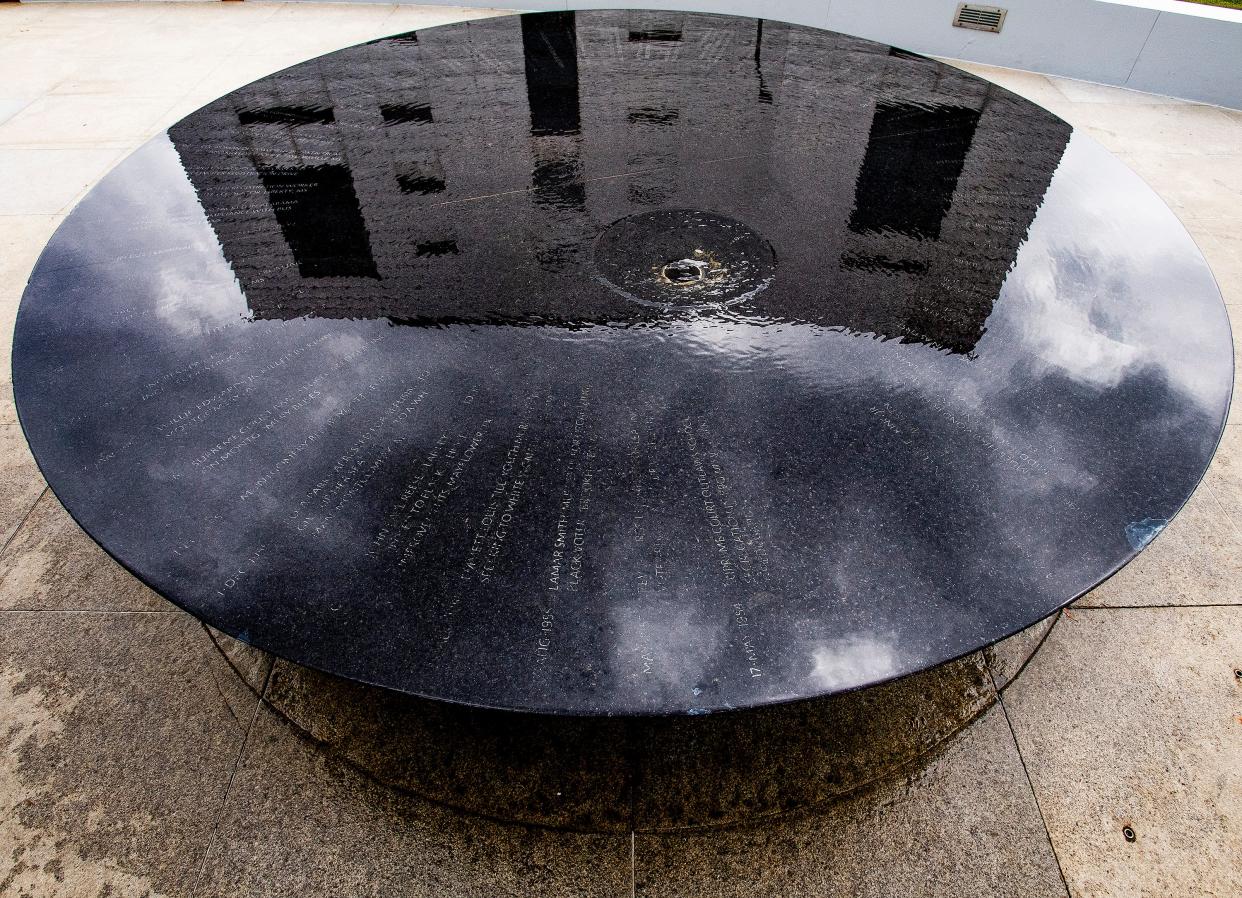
(980,18)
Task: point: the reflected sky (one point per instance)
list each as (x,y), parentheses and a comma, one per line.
(622,363)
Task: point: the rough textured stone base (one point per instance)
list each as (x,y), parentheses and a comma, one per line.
(643,774)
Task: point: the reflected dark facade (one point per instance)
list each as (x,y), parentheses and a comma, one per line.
(464,174)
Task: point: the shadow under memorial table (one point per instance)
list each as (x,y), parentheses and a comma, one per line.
(621,365)
(640,774)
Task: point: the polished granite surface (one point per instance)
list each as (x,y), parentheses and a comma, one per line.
(622,363)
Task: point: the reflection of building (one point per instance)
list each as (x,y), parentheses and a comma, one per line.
(463,173)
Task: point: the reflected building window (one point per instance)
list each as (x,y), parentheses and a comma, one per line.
(550,49)
(935,177)
(286,115)
(410,37)
(437,248)
(765,95)
(417,172)
(914,157)
(873,262)
(413,182)
(550,52)
(658,116)
(656,35)
(401,113)
(318,213)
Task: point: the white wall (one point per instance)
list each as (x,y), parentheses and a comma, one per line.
(1160,46)
(1196,57)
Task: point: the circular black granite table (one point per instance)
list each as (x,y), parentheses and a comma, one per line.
(621,363)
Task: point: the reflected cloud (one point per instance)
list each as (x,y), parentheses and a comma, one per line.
(1104,285)
(853,661)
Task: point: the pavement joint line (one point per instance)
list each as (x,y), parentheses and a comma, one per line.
(228,789)
(25,517)
(86,611)
(633,865)
(1000,700)
(1221,508)
(271,661)
(1029,658)
(1171,605)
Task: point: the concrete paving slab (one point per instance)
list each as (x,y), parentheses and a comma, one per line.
(967,825)
(113,76)
(408,18)
(1196,187)
(731,768)
(299,823)
(332,27)
(76,32)
(77,120)
(8,409)
(51,564)
(645,774)
(119,735)
(1008,658)
(9,305)
(1221,243)
(169,15)
(10,106)
(20,481)
(1133,720)
(229,73)
(1224,477)
(22,238)
(1161,129)
(254,666)
(1090,92)
(6,353)
(1196,560)
(48,181)
(1031,85)
(20,17)
(550,771)
(30,69)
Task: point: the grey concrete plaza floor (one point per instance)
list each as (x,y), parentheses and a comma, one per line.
(135,761)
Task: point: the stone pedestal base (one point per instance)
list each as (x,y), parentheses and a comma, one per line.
(643,774)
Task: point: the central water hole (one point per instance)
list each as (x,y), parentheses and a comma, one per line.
(685,271)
